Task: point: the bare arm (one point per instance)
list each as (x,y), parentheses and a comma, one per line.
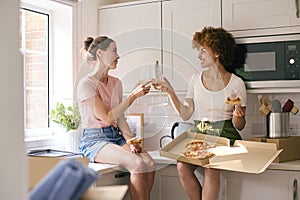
(239,117)
(124,127)
(184,110)
(111,116)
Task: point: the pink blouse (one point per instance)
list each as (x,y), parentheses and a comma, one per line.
(111,94)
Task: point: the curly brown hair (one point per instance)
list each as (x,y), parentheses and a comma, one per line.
(219,40)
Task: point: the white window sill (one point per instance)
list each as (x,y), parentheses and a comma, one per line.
(44,138)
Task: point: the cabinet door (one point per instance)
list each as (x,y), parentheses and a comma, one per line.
(259,17)
(294,183)
(136,27)
(187,18)
(114,178)
(169,186)
(269,185)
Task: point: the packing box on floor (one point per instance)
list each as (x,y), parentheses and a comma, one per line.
(243,156)
(290,147)
(38,167)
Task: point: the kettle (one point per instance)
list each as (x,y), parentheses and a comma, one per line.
(180,127)
(176,130)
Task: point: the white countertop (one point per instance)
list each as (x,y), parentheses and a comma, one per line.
(107,168)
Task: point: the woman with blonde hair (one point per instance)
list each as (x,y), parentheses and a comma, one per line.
(102,107)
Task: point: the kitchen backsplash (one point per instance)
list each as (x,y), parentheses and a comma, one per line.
(159,116)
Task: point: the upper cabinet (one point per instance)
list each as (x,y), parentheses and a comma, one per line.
(187,18)
(136,28)
(146,31)
(261,17)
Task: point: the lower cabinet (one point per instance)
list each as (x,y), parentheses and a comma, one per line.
(167,185)
(269,185)
(114,178)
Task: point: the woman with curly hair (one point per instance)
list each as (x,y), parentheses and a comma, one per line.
(206,99)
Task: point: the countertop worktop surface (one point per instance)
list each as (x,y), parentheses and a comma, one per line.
(106,168)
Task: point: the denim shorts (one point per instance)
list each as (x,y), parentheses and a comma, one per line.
(93,140)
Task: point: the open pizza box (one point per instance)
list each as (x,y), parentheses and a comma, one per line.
(243,156)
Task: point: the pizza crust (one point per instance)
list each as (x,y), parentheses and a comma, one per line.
(236,101)
(135,141)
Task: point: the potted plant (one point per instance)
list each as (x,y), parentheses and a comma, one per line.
(68,117)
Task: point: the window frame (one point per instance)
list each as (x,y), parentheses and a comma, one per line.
(47,131)
(53,97)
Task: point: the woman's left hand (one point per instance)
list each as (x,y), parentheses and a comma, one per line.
(239,111)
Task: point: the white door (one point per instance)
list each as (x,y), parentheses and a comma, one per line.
(294,185)
(259,17)
(269,185)
(136,28)
(187,18)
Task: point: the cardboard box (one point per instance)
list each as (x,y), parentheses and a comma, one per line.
(176,148)
(38,167)
(289,145)
(243,156)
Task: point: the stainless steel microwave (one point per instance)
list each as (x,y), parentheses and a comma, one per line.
(263,61)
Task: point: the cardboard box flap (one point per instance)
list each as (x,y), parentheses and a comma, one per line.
(116,192)
(256,159)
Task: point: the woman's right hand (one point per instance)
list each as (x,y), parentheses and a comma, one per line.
(135,148)
(163,85)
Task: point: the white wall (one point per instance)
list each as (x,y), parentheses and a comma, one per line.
(13,171)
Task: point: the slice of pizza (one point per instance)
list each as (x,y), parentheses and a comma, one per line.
(198,144)
(235,101)
(198,154)
(135,141)
(198,149)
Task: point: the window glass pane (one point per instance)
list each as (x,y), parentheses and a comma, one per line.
(34,43)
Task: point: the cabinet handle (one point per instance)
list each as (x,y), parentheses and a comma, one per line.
(297,8)
(121,174)
(295,189)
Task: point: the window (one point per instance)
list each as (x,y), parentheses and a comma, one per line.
(34,36)
(46,46)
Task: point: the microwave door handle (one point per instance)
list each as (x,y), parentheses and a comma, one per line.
(297,8)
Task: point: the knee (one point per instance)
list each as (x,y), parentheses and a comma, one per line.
(183,170)
(212,173)
(138,166)
(150,165)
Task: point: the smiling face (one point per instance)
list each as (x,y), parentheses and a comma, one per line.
(206,56)
(109,57)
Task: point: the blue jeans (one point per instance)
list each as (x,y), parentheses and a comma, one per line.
(93,140)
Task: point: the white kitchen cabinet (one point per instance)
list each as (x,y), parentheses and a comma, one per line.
(187,18)
(136,27)
(167,185)
(114,178)
(260,17)
(294,185)
(146,31)
(269,185)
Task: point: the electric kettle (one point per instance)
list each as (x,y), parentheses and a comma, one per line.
(176,130)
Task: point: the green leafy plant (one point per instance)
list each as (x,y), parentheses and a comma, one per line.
(67,117)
